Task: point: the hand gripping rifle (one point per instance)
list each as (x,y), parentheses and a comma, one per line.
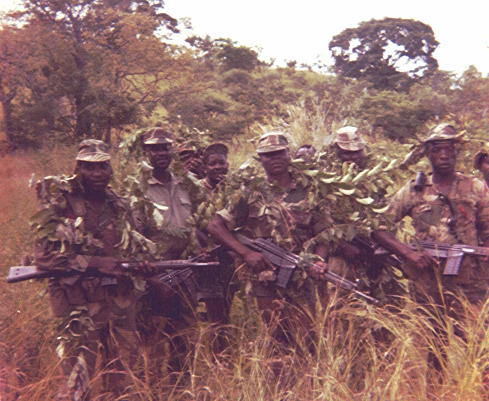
(453,253)
(286,262)
(22,273)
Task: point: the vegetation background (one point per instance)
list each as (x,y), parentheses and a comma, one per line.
(70,70)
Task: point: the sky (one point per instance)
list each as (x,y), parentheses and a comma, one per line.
(301,30)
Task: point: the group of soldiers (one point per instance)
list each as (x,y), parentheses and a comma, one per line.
(109,317)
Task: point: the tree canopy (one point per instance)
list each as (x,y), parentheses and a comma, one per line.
(391,53)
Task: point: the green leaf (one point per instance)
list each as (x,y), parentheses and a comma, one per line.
(381,210)
(347,191)
(365,201)
(358,177)
(375,170)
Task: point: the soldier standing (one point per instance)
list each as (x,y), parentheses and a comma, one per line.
(277,208)
(168,308)
(347,260)
(100,310)
(450,207)
(215,287)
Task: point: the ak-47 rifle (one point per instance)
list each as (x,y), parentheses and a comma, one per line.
(22,273)
(286,262)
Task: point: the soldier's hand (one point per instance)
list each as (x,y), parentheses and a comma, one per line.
(349,251)
(257,262)
(146,268)
(106,265)
(420,260)
(317,270)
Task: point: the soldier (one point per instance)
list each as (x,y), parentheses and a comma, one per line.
(347,260)
(350,146)
(450,207)
(215,159)
(168,309)
(190,156)
(290,220)
(481,163)
(305,152)
(100,311)
(214,284)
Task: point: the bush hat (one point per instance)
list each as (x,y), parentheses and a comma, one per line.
(348,138)
(444,132)
(271,142)
(157,135)
(93,150)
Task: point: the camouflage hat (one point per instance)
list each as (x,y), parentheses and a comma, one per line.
(93,150)
(444,132)
(348,138)
(481,155)
(272,142)
(157,135)
(215,148)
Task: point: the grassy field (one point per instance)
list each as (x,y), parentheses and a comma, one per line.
(364,352)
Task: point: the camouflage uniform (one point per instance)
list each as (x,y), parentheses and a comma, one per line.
(288,217)
(215,283)
(379,281)
(431,215)
(433,220)
(99,312)
(168,307)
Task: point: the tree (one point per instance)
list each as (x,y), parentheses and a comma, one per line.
(391,53)
(107,59)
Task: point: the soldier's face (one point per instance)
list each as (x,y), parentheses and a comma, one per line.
(216,167)
(352,156)
(159,155)
(95,176)
(275,163)
(443,156)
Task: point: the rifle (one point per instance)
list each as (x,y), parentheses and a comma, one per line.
(376,255)
(286,262)
(22,273)
(453,253)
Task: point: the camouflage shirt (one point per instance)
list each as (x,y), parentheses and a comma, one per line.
(430,216)
(179,208)
(266,211)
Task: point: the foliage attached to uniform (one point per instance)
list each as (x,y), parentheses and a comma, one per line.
(51,224)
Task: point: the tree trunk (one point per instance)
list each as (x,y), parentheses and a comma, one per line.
(7,116)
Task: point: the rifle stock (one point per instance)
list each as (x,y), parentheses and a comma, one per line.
(286,262)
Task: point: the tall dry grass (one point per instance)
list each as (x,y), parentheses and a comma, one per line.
(363,352)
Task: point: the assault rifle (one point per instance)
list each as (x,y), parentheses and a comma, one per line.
(22,273)
(286,262)
(453,253)
(376,256)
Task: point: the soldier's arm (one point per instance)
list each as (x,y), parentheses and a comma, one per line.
(218,229)
(399,208)
(419,260)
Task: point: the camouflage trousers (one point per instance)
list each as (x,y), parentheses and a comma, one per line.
(98,346)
